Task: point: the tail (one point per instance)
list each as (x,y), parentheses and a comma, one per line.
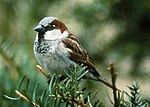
(105,81)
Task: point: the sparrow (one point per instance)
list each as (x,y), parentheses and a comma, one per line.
(56,49)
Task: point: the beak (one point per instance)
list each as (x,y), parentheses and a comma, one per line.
(39,28)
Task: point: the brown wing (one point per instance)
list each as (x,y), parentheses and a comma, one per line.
(78,54)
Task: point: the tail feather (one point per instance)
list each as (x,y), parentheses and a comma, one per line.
(105,81)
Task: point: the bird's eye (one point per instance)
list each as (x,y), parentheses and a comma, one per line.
(49,26)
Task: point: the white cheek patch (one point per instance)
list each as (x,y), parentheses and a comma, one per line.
(55,34)
(52,35)
(64,34)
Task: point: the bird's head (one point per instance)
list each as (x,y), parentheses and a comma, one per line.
(51,28)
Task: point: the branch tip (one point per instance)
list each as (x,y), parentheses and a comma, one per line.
(42,71)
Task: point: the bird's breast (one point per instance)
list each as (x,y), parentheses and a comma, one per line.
(53,56)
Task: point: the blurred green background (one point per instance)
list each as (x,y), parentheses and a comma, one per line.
(115,31)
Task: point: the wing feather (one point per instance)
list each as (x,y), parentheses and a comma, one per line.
(78,54)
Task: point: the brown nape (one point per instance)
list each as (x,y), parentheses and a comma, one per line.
(59,25)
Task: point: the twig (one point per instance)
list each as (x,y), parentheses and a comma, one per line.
(25,98)
(77,101)
(42,71)
(111,68)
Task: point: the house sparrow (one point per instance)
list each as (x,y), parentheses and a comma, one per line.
(56,49)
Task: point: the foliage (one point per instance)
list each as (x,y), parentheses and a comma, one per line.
(68,92)
(59,93)
(134,97)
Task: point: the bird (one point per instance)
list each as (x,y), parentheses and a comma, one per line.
(56,49)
